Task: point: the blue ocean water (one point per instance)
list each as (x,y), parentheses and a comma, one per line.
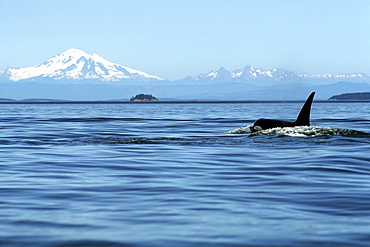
(180,174)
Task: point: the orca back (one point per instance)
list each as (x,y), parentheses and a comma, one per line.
(303,118)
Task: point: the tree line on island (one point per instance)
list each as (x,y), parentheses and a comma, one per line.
(351,96)
(143,97)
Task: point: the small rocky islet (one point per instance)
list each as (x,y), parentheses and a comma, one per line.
(143,97)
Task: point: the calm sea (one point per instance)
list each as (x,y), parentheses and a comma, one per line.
(182,174)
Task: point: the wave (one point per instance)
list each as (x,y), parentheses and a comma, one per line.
(301,131)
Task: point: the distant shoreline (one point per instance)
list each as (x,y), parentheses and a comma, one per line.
(10,101)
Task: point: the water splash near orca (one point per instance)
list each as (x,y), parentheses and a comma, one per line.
(300,131)
(299,128)
(241,130)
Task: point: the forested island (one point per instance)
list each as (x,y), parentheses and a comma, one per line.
(351,96)
(144,97)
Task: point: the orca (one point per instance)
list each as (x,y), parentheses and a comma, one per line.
(303,118)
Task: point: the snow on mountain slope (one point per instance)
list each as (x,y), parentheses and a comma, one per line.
(252,74)
(248,73)
(75,64)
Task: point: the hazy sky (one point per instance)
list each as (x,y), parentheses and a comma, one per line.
(174,39)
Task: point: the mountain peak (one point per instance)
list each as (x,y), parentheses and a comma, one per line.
(75,64)
(259,76)
(221,69)
(73,51)
(77,53)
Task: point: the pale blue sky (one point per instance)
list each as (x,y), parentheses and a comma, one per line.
(174,39)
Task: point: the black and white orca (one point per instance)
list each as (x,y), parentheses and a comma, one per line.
(303,118)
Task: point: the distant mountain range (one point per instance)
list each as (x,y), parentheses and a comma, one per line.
(260,76)
(75,64)
(91,77)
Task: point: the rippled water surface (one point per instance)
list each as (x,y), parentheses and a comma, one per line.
(178,174)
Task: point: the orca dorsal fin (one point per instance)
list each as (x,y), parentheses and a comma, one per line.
(303,118)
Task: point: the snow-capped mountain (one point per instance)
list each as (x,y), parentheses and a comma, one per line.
(261,76)
(354,76)
(75,64)
(248,73)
